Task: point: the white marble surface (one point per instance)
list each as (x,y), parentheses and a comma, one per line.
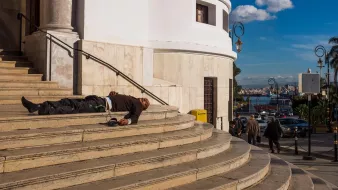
(98,79)
(54,60)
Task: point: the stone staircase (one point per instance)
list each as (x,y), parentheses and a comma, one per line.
(18,78)
(165,150)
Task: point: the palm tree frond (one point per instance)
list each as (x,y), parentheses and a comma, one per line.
(333,40)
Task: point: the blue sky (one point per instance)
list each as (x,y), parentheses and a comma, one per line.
(280,37)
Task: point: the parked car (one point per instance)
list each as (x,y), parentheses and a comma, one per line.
(272,113)
(258,116)
(263,113)
(262,125)
(289,125)
(280,115)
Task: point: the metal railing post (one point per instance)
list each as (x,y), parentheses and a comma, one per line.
(19,16)
(296,141)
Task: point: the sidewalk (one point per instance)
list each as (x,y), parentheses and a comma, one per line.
(315,151)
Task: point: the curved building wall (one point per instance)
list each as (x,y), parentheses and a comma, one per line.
(159,44)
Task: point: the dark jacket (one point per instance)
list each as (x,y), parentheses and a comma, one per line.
(273,131)
(238,126)
(127,103)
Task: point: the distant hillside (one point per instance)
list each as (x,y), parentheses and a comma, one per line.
(263,85)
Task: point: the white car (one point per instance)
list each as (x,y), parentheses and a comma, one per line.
(263,113)
(258,117)
(262,125)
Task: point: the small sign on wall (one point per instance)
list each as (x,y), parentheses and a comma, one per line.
(309,83)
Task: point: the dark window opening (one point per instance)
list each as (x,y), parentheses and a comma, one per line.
(202,13)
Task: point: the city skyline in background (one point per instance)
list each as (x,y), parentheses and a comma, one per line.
(280,38)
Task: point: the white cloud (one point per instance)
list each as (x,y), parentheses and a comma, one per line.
(275,5)
(248,13)
(304,46)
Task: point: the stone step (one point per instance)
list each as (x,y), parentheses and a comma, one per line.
(36,92)
(64,175)
(19,159)
(17,70)
(13,122)
(278,178)
(83,133)
(7,64)
(21,77)
(13,58)
(28,84)
(16,63)
(10,52)
(320,184)
(12,100)
(300,179)
(173,176)
(252,172)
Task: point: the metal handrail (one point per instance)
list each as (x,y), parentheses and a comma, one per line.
(89,56)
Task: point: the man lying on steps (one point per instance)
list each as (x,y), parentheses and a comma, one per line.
(91,104)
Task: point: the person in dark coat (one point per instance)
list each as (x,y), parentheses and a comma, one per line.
(232,126)
(92,104)
(237,129)
(273,133)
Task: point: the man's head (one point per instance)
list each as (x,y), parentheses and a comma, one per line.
(145,103)
(237,115)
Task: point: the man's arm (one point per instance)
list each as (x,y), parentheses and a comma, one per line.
(134,114)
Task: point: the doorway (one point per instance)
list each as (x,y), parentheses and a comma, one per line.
(33,14)
(210,99)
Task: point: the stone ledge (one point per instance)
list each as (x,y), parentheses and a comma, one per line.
(252,171)
(175,175)
(55,121)
(57,154)
(43,137)
(103,168)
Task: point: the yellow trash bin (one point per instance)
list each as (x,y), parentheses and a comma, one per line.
(201,115)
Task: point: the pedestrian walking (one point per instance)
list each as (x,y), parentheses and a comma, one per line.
(237,130)
(273,133)
(232,125)
(252,130)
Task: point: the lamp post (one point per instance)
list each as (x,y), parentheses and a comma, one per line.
(233,33)
(324,54)
(272,82)
(320,65)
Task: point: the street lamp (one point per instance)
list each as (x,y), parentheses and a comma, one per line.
(233,33)
(320,52)
(272,82)
(324,54)
(320,65)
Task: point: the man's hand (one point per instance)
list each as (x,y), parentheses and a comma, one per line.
(112,93)
(123,122)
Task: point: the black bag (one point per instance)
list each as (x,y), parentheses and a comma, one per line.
(258,139)
(111,123)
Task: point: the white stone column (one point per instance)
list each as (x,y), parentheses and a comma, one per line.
(52,58)
(56,15)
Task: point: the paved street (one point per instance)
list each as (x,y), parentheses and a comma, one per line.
(321,145)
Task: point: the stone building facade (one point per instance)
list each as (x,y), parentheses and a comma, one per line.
(179,50)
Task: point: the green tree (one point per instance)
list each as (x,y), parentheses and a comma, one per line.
(333,56)
(317,116)
(236,87)
(302,111)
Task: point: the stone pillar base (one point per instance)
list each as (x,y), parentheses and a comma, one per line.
(53,59)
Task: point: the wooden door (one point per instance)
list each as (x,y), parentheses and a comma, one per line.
(210,99)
